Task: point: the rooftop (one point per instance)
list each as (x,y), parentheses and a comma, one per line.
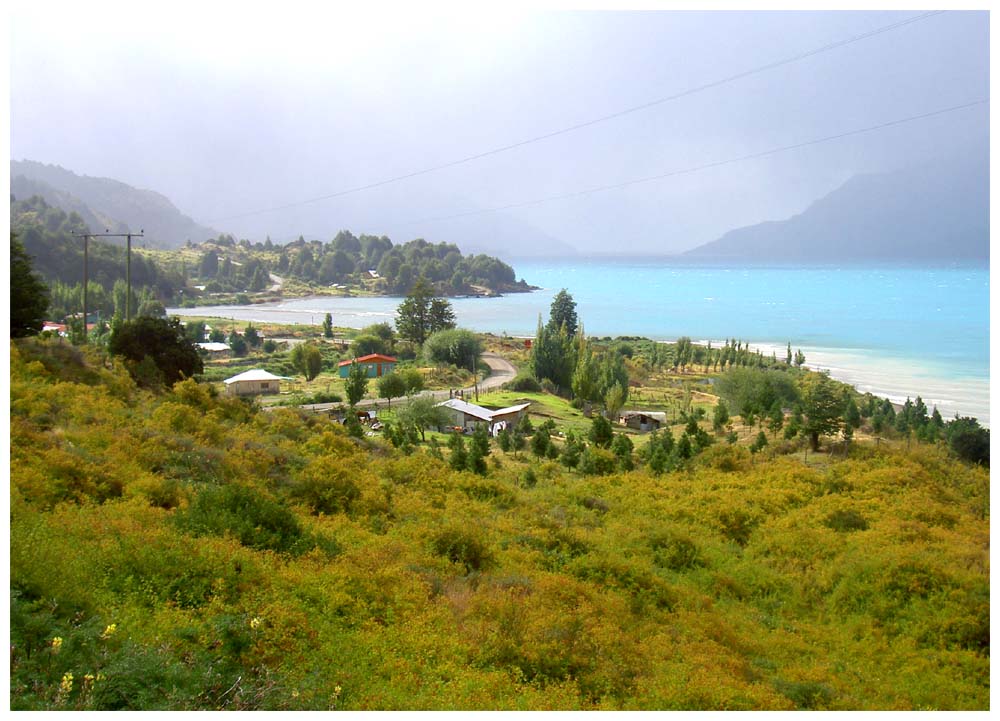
(475,411)
(257,374)
(370,358)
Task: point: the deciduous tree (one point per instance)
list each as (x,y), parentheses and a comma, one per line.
(423,413)
(307,360)
(391,385)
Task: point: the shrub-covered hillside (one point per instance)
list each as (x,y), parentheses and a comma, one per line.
(180,551)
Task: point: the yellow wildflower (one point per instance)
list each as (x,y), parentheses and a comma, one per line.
(255,622)
(66,685)
(56,644)
(109,631)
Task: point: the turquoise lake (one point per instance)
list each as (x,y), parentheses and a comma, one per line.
(895,331)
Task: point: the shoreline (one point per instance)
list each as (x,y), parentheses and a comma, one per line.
(867,370)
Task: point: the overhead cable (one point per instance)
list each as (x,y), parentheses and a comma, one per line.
(707,166)
(594,121)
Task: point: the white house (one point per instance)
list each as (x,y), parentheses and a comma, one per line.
(253,383)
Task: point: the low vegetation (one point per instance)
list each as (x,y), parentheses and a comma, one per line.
(172,549)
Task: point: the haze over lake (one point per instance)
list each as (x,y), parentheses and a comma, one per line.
(895,331)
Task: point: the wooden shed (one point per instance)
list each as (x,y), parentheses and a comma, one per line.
(643,420)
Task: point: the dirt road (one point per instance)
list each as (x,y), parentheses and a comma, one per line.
(501,371)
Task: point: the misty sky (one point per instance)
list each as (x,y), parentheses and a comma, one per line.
(226,113)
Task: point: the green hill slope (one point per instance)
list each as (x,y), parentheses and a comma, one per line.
(184,551)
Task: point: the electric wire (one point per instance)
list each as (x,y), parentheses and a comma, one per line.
(707,166)
(594,121)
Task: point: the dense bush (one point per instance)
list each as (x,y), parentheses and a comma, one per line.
(523,382)
(456,347)
(254,520)
(173,550)
(464,546)
(160,343)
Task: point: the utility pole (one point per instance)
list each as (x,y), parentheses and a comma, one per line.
(475,377)
(86,238)
(128,277)
(128,269)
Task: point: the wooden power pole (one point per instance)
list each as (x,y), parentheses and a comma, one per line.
(128,269)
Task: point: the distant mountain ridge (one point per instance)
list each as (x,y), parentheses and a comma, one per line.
(104,203)
(938,211)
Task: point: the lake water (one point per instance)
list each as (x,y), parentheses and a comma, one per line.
(895,331)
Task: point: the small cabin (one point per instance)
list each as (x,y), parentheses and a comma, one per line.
(376,365)
(254,382)
(643,420)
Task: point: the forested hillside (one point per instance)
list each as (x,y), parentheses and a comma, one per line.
(348,259)
(111,203)
(47,234)
(176,550)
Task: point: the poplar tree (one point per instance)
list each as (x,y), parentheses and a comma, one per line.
(356,384)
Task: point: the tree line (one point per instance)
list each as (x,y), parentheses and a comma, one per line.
(349,259)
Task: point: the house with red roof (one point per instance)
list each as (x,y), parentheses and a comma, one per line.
(377,365)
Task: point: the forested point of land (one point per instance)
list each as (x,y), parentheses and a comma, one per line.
(178,550)
(226,270)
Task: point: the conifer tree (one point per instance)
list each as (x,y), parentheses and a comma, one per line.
(720,416)
(459,458)
(562,313)
(28,295)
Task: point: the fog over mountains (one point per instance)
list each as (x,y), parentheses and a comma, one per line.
(107,204)
(938,210)
(935,211)
(512,131)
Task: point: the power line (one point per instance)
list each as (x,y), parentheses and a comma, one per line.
(594,121)
(707,166)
